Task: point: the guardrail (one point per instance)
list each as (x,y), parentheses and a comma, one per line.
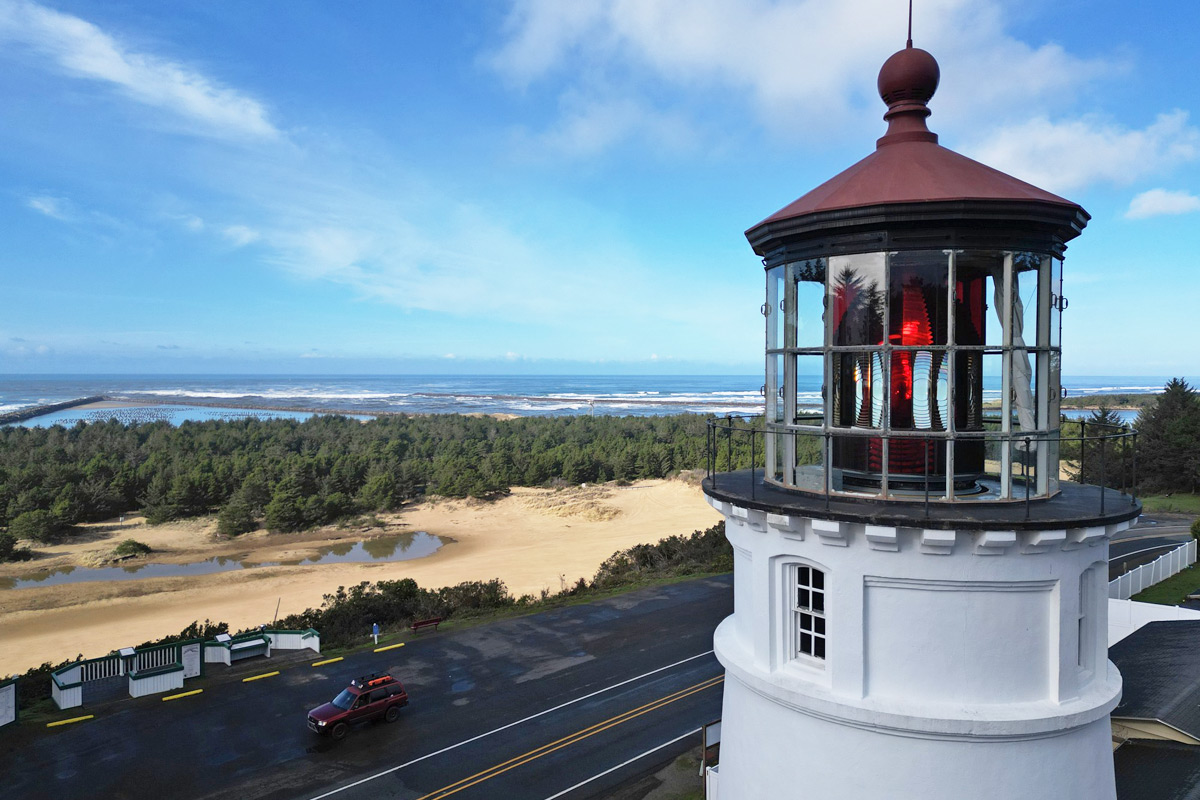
(1102,455)
(1157,571)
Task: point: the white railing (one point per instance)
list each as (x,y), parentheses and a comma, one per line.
(100,668)
(1156,571)
(158,657)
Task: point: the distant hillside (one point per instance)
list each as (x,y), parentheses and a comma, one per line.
(1115,401)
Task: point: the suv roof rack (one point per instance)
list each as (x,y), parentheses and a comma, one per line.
(374,679)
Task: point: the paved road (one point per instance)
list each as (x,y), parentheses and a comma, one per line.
(1147,540)
(523,708)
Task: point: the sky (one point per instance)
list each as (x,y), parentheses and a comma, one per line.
(539,186)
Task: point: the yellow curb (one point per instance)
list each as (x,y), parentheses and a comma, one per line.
(69,721)
(389,647)
(258,677)
(326,661)
(182,694)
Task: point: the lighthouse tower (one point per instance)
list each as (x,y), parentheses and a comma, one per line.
(920,605)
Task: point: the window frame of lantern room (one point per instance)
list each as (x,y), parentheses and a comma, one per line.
(797,614)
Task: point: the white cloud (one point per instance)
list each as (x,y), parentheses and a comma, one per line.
(1159,202)
(55,207)
(791,60)
(590,125)
(1070,154)
(240,235)
(81,49)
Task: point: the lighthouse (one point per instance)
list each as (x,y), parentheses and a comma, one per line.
(920,595)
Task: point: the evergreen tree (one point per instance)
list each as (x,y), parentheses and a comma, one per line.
(235,517)
(285,512)
(1168,447)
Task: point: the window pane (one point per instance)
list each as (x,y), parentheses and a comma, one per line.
(920,390)
(806,643)
(809,374)
(1056,302)
(1024,391)
(810,461)
(819,625)
(774,307)
(802,574)
(858,390)
(917,298)
(818,602)
(856,298)
(818,579)
(809,280)
(774,388)
(1025,306)
(806,622)
(819,648)
(803,598)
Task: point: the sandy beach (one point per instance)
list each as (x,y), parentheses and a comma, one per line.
(533,539)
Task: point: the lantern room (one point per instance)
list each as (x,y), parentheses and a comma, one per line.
(913,312)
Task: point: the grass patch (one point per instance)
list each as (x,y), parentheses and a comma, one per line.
(1174,590)
(1177,503)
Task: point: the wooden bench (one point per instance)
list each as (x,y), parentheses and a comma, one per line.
(422,624)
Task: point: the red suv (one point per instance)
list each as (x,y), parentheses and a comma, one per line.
(366,698)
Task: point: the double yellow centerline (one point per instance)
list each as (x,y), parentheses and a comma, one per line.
(566,741)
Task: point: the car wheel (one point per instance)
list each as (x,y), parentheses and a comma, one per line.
(392,714)
(340,730)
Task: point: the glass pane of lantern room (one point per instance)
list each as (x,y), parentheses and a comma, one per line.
(1025,300)
(1056,302)
(810,375)
(774,389)
(857,291)
(858,389)
(1024,391)
(773,308)
(809,280)
(809,450)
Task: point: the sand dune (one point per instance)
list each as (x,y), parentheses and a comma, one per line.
(534,539)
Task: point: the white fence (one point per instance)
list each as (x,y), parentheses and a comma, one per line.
(1156,571)
(8,702)
(295,640)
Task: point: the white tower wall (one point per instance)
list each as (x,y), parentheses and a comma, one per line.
(958,664)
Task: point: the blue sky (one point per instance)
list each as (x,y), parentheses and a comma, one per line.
(542,186)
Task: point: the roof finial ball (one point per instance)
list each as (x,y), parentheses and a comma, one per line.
(907,81)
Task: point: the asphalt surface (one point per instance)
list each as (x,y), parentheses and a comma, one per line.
(1148,539)
(521,708)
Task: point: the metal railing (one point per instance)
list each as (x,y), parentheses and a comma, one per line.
(1102,455)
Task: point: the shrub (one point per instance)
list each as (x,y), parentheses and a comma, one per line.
(131,547)
(9,550)
(1196,528)
(37,526)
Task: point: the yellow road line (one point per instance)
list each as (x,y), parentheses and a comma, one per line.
(69,721)
(327,661)
(578,736)
(182,694)
(259,677)
(388,647)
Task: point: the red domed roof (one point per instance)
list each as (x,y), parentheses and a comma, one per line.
(908,165)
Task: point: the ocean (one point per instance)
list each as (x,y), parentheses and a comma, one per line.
(170,397)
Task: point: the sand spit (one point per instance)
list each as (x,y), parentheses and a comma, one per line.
(533,539)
